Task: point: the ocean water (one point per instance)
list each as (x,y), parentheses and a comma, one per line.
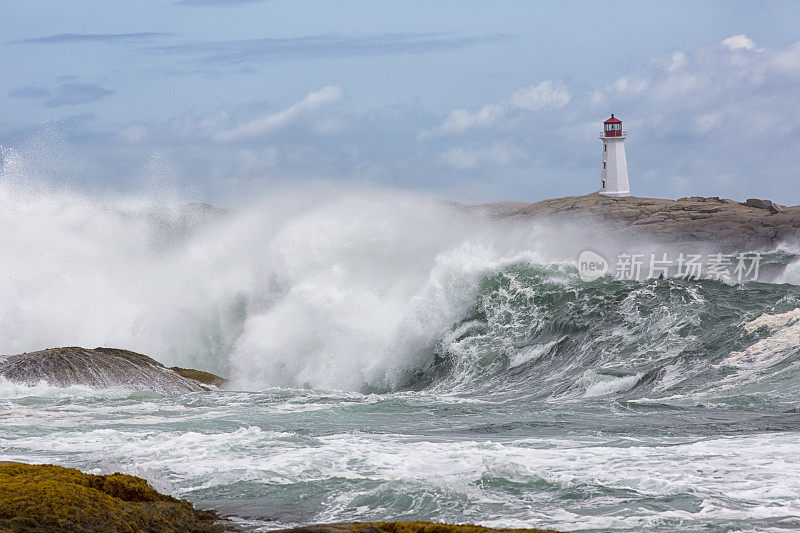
(392,357)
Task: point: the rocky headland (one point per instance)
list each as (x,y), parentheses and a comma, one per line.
(104,368)
(750,225)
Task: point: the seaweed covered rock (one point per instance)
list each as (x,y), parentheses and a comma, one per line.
(41,498)
(405,527)
(200,376)
(102,368)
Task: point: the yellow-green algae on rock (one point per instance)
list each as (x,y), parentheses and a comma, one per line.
(406,527)
(47,498)
(200,376)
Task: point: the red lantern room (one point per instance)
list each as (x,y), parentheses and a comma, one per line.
(612,127)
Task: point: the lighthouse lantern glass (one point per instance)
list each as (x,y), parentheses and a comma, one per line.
(613,129)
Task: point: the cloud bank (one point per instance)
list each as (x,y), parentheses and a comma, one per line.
(547,94)
(721,120)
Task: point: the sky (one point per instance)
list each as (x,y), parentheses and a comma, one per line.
(466,101)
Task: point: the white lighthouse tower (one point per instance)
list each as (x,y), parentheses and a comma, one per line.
(614,177)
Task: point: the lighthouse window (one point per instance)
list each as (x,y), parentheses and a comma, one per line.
(604,164)
(605,146)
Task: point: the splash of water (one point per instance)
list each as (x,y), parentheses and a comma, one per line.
(336,289)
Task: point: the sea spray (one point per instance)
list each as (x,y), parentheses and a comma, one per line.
(369,290)
(338,289)
(495,385)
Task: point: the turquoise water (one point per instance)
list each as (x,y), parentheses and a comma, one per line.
(659,405)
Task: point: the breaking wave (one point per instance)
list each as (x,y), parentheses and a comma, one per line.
(373,291)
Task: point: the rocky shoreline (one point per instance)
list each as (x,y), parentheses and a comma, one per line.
(754,224)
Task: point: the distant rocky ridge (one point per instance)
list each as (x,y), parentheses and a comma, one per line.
(103,368)
(751,225)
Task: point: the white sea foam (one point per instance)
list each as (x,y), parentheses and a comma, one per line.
(603,385)
(731,478)
(333,289)
(783,339)
(773,322)
(531,353)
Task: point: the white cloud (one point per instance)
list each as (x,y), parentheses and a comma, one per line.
(546,94)
(269,124)
(677,61)
(535,97)
(736,42)
(461,120)
(711,91)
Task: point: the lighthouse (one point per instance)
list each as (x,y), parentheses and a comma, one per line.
(614,176)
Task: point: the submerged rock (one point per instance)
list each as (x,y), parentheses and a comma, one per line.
(103,368)
(56,499)
(404,527)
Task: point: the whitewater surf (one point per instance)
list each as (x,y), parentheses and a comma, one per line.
(395,357)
